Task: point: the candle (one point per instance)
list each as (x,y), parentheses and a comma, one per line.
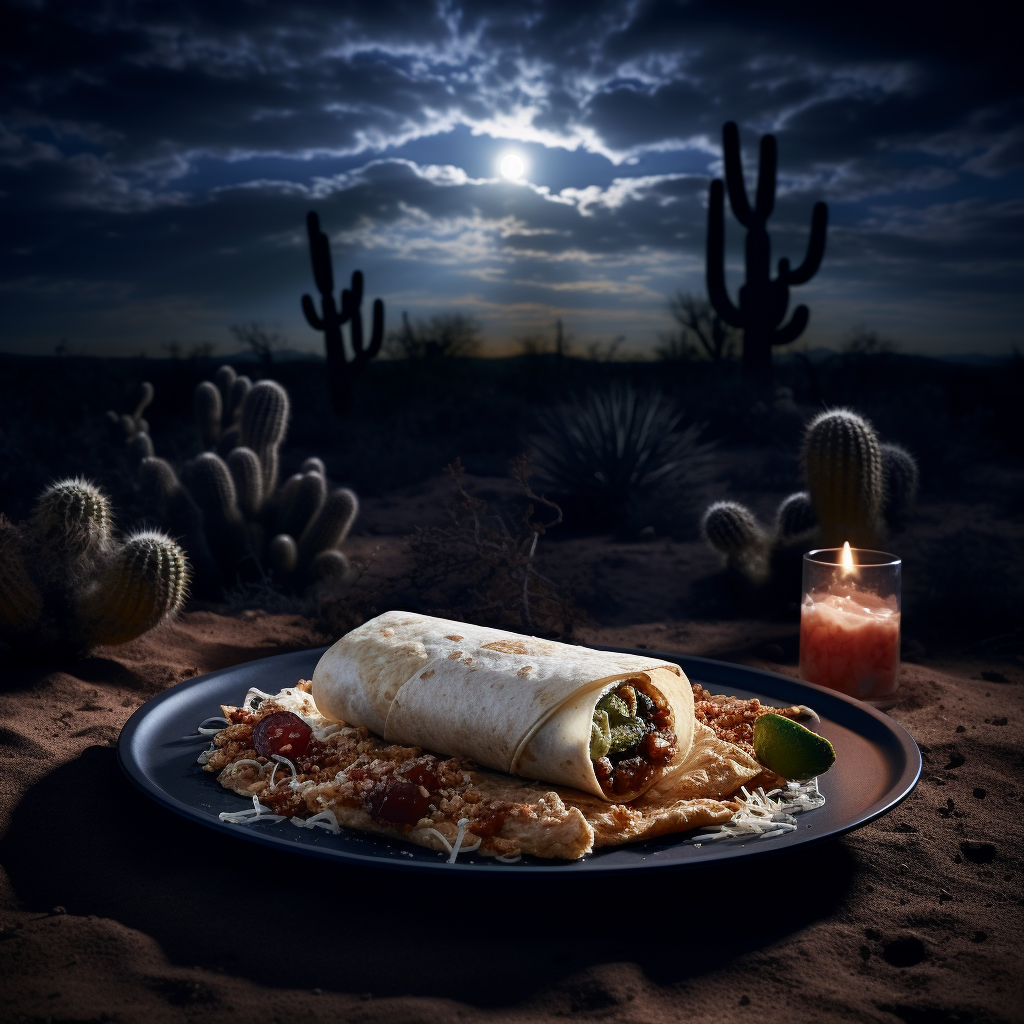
(850,623)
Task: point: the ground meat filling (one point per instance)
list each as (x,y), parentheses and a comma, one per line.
(631,737)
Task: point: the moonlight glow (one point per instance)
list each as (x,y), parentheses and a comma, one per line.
(512,166)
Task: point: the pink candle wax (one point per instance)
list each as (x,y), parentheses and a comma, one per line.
(850,641)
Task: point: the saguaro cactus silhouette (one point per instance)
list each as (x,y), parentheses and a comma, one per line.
(340,370)
(763,301)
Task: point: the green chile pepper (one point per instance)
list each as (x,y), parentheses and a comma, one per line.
(616,708)
(628,734)
(600,735)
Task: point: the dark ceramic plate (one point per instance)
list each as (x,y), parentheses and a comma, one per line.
(877,765)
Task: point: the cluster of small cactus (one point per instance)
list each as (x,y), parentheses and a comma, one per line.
(234,518)
(856,488)
(69,584)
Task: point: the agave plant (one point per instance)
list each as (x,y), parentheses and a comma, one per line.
(613,446)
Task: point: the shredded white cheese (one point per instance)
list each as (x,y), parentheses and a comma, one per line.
(325,819)
(800,796)
(459,836)
(281,759)
(434,831)
(767,815)
(454,851)
(258,813)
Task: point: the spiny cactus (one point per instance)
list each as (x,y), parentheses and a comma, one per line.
(145,579)
(264,421)
(70,528)
(339,369)
(762,301)
(855,488)
(842,464)
(233,519)
(733,529)
(68,584)
(326,530)
(208,407)
(899,470)
(794,516)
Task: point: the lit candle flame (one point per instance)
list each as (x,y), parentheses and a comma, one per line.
(846,559)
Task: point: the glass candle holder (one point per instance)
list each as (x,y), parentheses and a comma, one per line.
(850,624)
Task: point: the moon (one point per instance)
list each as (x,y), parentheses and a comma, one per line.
(512,166)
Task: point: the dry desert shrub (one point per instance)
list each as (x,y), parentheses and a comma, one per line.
(482,565)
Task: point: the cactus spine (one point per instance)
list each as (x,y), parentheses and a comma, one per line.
(340,370)
(67,583)
(762,301)
(842,463)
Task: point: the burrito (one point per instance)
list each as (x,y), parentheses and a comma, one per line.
(612,725)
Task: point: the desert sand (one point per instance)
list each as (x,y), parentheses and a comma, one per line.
(114,909)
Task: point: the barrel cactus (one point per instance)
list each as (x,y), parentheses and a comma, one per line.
(899,470)
(236,519)
(841,459)
(733,530)
(857,487)
(68,583)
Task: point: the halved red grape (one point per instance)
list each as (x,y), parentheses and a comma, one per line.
(281,733)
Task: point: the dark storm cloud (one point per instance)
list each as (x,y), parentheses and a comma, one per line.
(167,153)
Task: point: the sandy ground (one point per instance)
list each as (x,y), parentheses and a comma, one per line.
(113,909)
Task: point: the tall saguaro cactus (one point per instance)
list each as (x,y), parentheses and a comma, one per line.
(762,301)
(340,370)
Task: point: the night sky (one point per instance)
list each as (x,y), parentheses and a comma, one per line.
(157,161)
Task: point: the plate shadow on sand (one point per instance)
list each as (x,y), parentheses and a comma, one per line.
(86,839)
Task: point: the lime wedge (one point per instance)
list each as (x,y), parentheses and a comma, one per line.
(791,750)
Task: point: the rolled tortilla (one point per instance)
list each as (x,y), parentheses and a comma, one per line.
(515,703)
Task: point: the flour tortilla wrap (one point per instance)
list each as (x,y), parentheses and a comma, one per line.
(515,703)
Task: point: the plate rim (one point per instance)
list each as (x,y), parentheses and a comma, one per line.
(894,795)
